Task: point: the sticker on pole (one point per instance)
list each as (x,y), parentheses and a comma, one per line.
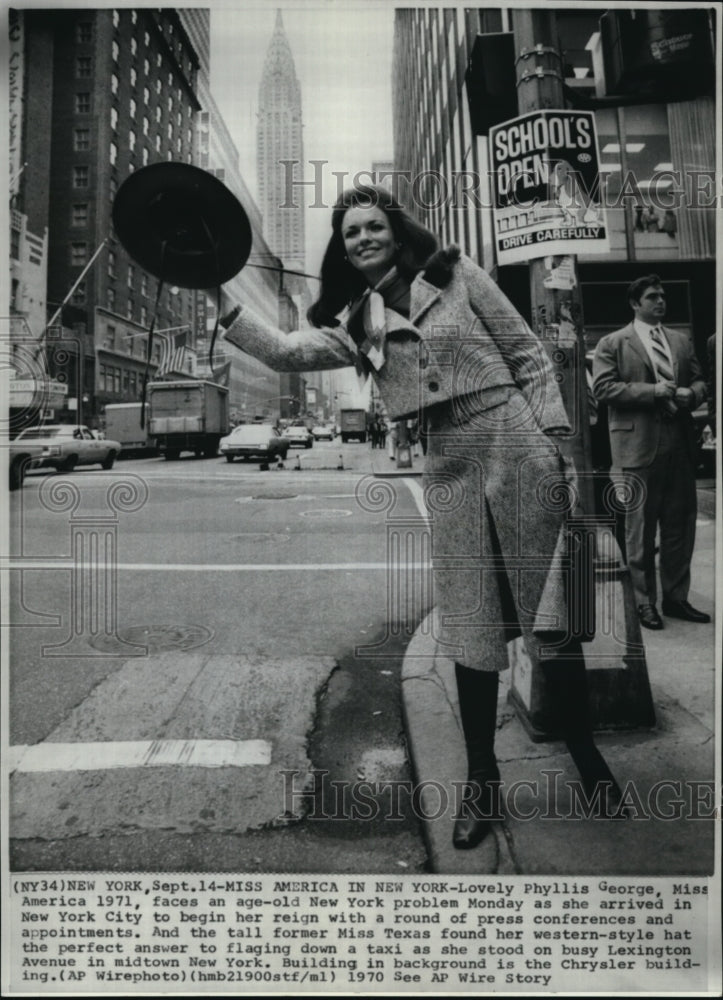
(546,185)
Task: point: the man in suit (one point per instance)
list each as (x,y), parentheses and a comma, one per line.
(650,379)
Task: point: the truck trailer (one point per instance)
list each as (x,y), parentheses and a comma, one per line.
(188,415)
(123,424)
(353,425)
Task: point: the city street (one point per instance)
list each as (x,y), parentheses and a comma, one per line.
(218,625)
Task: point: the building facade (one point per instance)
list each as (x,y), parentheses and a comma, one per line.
(107,92)
(452,69)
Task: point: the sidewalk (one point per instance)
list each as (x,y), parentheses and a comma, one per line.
(680,664)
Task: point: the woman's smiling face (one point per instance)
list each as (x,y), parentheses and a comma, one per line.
(369,241)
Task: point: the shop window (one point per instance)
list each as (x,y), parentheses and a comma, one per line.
(647,156)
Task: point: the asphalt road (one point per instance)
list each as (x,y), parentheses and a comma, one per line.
(205,666)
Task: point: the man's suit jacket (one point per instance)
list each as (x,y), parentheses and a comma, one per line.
(624,379)
(463,337)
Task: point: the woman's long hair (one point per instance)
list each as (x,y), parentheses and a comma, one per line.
(341,282)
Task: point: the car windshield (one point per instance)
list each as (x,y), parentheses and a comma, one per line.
(252,432)
(46,432)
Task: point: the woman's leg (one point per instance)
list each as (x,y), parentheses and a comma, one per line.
(566,680)
(478,710)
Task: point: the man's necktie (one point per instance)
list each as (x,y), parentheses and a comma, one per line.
(663,366)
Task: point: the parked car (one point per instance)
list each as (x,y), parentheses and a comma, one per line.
(299,434)
(23,455)
(66,445)
(322,433)
(254,441)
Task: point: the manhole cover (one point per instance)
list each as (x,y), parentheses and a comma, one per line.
(157,638)
(331,512)
(274,495)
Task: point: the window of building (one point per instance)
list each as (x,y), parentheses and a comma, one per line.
(130,305)
(84,32)
(158,143)
(146,67)
(170,131)
(116,18)
(79,214)
(158,86)
(134,77)
(179,145)
(83,66)
(131,167)
(179,119)
(113,119)
(78,254)
(131,275)
(144,316)
(132,107)
(111,264)
(110,298)
(170,79)
(115,51)
(132,139)
(82,104)
(81,139)
(158,114)
(134,46)
(144,284)
(159,60)
(78,298)
(146,96)
(146,39)
(112,188)
(113,154)
(113,83)
(145,125)
(134,16)
(15,243)
(126,382)
(81,176)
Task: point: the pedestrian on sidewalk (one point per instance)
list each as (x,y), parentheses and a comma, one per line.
(440,339)
(649,376)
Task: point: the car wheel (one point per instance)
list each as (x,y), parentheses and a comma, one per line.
(107,463)
(229,458)
(68,464)
(309,444)
(171,454)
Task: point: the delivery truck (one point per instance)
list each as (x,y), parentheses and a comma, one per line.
(123,424)
(188,415)
(353,425)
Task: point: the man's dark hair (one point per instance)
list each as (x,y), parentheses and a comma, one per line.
(637,289)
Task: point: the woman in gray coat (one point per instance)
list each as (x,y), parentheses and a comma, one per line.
(444,344)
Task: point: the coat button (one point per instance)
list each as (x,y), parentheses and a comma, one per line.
(433,386)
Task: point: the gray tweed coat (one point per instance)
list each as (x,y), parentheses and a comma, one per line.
(492,479)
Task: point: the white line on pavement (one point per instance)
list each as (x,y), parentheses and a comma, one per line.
(45,757)
(69,564)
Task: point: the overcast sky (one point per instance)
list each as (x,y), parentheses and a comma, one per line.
(342,53)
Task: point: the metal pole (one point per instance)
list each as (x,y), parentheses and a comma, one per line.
(77,282)
(540,87)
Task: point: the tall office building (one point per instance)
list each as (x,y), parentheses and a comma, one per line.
(279,149)
(105,93)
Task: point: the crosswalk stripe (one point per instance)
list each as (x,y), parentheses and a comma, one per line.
(48,757)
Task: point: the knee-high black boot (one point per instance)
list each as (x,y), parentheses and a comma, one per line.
(567,684)
(478,710)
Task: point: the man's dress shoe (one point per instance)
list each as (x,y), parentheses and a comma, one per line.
(649,617)
(681,609)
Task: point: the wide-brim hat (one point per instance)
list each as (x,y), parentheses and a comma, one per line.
(182,225)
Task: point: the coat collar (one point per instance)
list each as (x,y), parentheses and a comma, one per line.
(428,285)
(639,348)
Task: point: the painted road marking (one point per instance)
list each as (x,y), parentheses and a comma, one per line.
(47,757)
(65,562)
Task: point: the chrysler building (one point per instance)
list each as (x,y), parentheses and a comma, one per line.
(278,138)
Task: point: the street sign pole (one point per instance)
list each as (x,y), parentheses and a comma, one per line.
(540,87)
